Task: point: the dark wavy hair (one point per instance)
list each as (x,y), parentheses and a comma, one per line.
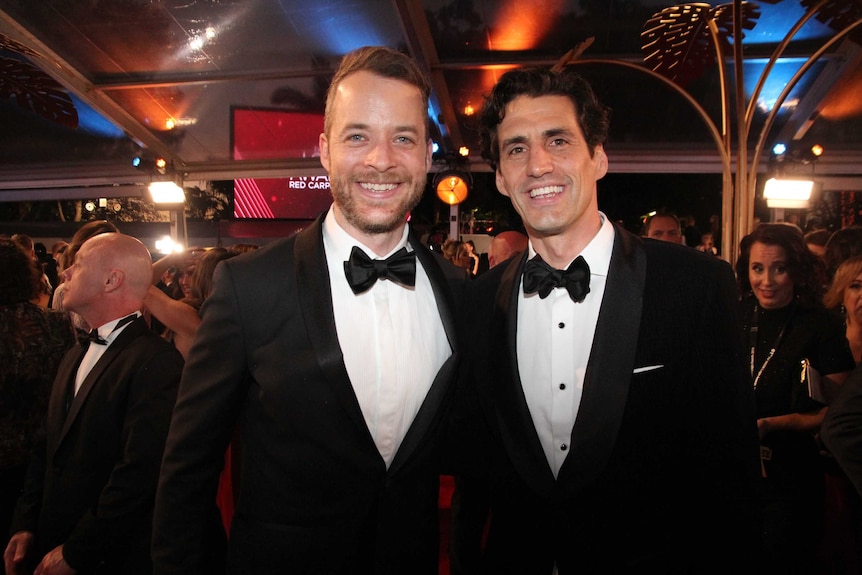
(20,278)
(202,277)
(841,245)
(593,116)
(807,271)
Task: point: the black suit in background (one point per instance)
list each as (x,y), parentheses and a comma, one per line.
(841,430)
(315,494)
(663,464)
(92,478)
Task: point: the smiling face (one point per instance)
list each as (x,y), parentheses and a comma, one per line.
(547,171)
(769,277)
(377,153)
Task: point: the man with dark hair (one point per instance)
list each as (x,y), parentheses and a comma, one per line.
(608,407)
(663,226)
(334,351)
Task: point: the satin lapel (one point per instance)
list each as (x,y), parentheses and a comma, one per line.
(513,415)
(135,329)
(609,373)
(315,297)
(443,380)
(57,402)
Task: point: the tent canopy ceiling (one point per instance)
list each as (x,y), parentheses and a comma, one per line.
(236,88)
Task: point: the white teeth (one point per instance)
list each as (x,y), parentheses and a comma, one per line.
(546,191)
(378,187)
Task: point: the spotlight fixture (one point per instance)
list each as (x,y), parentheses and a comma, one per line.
(817,150)
(150,163)
(452,186)
(166,193)
(781,193)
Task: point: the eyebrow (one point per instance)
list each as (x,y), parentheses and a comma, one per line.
(360,126)
(549,133)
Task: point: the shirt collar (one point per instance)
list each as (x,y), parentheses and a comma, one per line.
(597,252)
(108,331)
(338,242)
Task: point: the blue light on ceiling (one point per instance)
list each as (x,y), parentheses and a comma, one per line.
(92,122)
(779,76)
(776,21)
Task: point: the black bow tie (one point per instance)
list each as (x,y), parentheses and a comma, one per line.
(542,278)
(93,336)
(362,271)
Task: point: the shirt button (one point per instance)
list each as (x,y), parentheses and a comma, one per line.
(562,386)
(561,325)
(563,447)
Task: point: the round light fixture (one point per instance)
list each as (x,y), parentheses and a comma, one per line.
(452,188)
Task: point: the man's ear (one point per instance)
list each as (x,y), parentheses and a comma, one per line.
(429,154)
(501,183)
(600,161)
(115,280)
(323,143)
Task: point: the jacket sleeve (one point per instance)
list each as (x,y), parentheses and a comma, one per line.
(210,397)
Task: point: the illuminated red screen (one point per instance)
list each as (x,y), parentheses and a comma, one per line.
(270,134)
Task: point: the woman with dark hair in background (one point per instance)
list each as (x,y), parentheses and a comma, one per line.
(781,284)
(180,317)
(32,342)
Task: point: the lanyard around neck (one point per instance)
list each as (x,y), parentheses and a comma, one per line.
(752,339)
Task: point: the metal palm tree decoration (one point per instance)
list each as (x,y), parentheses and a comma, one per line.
(680,42)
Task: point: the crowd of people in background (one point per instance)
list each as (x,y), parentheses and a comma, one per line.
(817,317)
(814,314)
(87,501)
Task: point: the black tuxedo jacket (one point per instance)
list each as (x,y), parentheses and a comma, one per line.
(91,483)
(315,494)
(663,461)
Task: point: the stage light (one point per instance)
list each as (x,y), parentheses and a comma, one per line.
(464,151)
(452,186)
(787,193)
(167,193)
(166,245)
(779,149)
(817,150)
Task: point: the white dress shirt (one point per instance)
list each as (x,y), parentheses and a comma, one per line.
(392,339)
(96,350)
(555,336)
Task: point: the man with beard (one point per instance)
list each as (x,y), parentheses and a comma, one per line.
(333,350)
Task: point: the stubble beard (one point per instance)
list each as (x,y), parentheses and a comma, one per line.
(388,218)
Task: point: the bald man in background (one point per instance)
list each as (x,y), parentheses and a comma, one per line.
(504,245)
(90,489)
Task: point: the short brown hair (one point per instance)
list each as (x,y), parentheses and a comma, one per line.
(382,61)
